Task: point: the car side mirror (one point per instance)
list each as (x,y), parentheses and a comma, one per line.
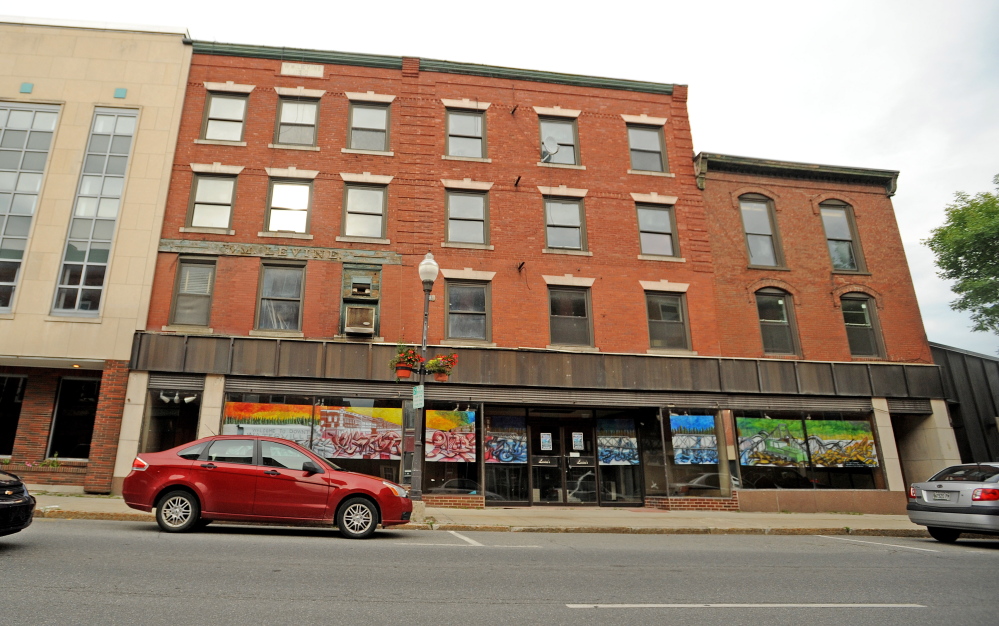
(311,468)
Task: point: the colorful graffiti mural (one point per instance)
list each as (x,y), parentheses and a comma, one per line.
(450,436)
(617,443)
(771,442)
(505,440)
(694,439)
(839,443)
(359,433)
(285,421)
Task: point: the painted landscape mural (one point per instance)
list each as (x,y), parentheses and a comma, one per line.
(838,443)
(771,442)
(694,439)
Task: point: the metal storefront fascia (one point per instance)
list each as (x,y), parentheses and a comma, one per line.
(181,382)
(305,387)
(909,406)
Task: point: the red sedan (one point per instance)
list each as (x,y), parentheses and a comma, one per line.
(259,479)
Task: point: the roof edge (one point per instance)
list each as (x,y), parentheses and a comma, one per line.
(87,25)
(990,357)
(705,162)
(297,55)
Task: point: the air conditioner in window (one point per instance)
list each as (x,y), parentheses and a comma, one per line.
(359,320)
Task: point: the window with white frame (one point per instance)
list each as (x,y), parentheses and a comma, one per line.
(288,209)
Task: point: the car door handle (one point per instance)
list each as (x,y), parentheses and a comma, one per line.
(208,465)
(273,473)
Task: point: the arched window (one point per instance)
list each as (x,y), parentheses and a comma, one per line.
(760,225)
(776,313)
(841,236)
(860,318)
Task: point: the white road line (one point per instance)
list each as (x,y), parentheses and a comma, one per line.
(456,545)
(464,538)
(876,543)
(746,606)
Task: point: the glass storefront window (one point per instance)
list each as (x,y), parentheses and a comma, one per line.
(504,454)
(618,458)
(692,455)
(171,419)
(450,451)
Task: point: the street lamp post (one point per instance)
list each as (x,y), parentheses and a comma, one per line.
(428,274)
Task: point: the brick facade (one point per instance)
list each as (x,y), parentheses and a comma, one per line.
(107,426)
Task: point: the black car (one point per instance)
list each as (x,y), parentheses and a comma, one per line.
(16,504)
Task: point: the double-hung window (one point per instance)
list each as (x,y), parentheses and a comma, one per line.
(466,133)
(369,125)
(569,310)
(837,219)
(95,212)
(761,231)
(364,211)
(776,315)
(211,201)
(656,230)
(559,141)
(192,302)
(667,321)
(646,144)
(467,214)
(468,311)
(565,226)
(288,209)
(297,122)
(280,301)
(225,115)
(859,317)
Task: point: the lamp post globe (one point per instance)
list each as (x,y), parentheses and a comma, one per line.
(428,270)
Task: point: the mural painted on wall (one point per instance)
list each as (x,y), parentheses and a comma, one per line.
(450,436)
(617,443)
(505,440)
(285,421)
(694,439)
(359,433)
(838,443)
(771,442)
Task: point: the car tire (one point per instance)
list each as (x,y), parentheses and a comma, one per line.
(178,512)
(357,518)
(943,535)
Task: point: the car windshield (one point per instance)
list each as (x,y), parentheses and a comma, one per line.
(970,473)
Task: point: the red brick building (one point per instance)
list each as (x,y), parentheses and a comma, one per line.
(633,324)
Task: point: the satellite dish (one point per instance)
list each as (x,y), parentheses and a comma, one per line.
(550,144)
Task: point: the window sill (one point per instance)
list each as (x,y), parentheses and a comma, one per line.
(374,152)
(471,246)
(562,348)
(448,157)
(470,343)
(280,235)
(69,317)
(668,352)
(358,339)
(6,316)
(188,330)
(564,166)
(769,268)
(206,231)
(219,142)
(568,252)
(291,146)
(767,355)
(657,257)
(291,334)
(645,173)
(850,273)
(364,240)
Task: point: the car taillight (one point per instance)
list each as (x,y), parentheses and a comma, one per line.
(912,493)
(139,465)
(980,495)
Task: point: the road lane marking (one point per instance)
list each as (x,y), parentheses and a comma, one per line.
(464,538)
(816,605)
(876,543)
(455,545)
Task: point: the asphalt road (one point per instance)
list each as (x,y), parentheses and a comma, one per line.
(90,572)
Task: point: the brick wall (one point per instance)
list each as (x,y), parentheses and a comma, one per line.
(107,427)
(37,410)
(693,504)
(454,502)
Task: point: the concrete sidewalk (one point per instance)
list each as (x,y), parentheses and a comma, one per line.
(555,519)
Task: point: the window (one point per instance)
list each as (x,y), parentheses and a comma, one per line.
(95,213)
(193,293)
(466,136)
(364,211)
(861,325)
(224,117)
(837,219)
(646,143)
(289,207)
(570,316)
(565,227)
(468,311)
(25,138)
(76,411)
(211,201)
(274,454)
(776,321)
(369,125)
(232,451)
(297,122)
(667,321)
(466,217)
(759,224)
(561,133)
(280,298)
(11,398)
(655,230)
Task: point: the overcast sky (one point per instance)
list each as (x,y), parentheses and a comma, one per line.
(907,85)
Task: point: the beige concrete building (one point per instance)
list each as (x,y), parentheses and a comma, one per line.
(89,115)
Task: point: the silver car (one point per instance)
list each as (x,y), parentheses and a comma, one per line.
(962,498)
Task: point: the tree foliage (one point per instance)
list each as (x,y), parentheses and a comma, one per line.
(967,251)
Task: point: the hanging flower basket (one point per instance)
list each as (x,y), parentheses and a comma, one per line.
(403,371)
(441,365)
(406,360)
(440,377)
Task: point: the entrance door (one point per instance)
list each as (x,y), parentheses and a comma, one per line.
(563,464)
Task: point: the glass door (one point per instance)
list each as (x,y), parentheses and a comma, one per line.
(563,464)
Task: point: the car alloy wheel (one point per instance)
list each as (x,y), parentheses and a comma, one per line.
(178,511)
(357,519)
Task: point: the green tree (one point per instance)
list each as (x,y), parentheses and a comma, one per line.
(967,251)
